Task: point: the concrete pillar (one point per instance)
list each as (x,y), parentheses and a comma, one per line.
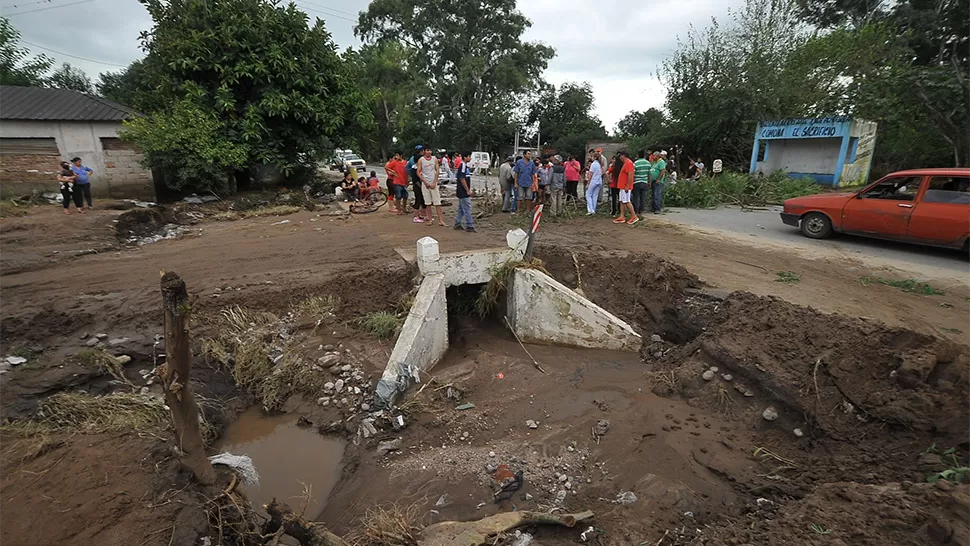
(517,239)
(427,253)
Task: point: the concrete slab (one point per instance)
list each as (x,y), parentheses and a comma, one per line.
(543,310)
(469,267)
(421,344)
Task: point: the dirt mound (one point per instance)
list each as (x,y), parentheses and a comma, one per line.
(860,515)
(142,222)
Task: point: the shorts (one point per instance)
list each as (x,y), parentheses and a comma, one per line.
(624,196)
(431,195)
(526,193)
(400,192)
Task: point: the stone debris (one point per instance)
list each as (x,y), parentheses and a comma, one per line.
(442,500)
(92,342)
(770,413)
(532,424)
(560,496)
(329,359)
(368,429)
(626,497)
(656,338)
(707,375)
(522,539)
(388,446)
(15,360)
(338,385)
(798,433)
(102,336)
(118,341)
(727,376)
(601,428)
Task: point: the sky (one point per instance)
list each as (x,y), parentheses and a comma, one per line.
(616,45)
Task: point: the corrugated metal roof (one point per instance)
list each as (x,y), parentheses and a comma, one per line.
(42,104)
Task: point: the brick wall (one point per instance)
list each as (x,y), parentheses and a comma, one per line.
(123,172)
(21,174)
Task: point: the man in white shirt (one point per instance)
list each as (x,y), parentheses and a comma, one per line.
(594,181)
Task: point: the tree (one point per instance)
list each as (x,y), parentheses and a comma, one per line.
(189,144)
(69,77)
(473,62)
(273,81)
(132,86)
(640,124)
(836,13)
(565,117)
(16,65)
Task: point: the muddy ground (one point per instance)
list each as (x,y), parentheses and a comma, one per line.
(879,403)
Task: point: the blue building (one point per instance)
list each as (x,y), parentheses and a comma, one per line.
(836,151)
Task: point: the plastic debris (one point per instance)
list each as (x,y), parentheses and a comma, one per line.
(465,406)
(242,464)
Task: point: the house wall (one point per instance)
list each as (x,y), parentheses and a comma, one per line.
(116,175)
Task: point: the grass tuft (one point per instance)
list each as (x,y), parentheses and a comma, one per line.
(275,210)
(389,525)
(319,307)
(499,283)
(788,277)
(92,414)
(906,285)
(381,324)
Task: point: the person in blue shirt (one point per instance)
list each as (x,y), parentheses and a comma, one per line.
(525,180)
(82,183)
(463,193)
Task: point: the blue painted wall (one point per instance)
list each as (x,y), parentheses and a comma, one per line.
(828,171)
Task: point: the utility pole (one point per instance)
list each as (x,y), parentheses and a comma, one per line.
(538,139)
(516,150)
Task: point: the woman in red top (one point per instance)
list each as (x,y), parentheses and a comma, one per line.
(624,169)
(572,178)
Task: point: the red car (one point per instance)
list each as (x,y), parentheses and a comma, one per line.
(925,206)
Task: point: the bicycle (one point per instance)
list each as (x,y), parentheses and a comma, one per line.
(375,199)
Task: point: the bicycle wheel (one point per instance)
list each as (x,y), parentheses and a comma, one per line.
(373,201)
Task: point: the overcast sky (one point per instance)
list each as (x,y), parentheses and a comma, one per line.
(620,63)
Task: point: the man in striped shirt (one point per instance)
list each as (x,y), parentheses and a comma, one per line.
(641,181)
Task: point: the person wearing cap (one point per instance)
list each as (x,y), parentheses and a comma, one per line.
(411,167)
(658,173)
(506,181)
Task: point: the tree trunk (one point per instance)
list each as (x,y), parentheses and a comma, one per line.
(307,533)
(175,379)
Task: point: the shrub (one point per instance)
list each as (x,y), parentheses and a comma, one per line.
(740,189)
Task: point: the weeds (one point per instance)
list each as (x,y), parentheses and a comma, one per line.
(381,324)
(737,189)
(111,365)
(956,473)
(274,210)
(319,307)
(498,283)
(724,402)
(788,277)
(818,529)
(92,414)
(906,285)
(391,525)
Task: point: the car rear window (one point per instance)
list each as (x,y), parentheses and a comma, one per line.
(948,189)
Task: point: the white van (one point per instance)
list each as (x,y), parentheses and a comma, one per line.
(480,162)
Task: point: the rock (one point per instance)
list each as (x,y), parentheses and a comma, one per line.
(442,500)
(365,406)
(15,360)
(338,385)
(102,336)
(626,497)
(346,368)
(562,478)
(144,390)
(568,485)
(713,369)
(367,428)
(770,413)
(658,354)
(727,376)
(328,386)
(531,424)
(602,427)
(356,390)
(798,433)
(570,449)
(344,401)
(561,496)
(83,336)
(330,359)
(527,496)
(491,453)
(707,375)
(656,339)
(522,539)
(118,341)
(329,348)
(388,446)
(335,369)
(92,342)
(491,468)
(323,401)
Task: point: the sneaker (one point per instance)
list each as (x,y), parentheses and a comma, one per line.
(620,220)
(458,227)
(471,230)
(590,214)
(417,220)
(633,220)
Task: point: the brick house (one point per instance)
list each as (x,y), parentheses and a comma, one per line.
(40,127)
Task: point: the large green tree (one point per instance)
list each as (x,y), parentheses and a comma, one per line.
(641,124)
(17,67)
(473,63)
(565,117)
(270,76)
(70,77)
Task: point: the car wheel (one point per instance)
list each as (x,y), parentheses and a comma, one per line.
(816,225)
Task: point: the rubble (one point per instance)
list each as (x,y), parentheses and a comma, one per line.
(770,413)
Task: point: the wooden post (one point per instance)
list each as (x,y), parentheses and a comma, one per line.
(175,379)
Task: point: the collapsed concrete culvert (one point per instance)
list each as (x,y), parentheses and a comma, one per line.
(539,310)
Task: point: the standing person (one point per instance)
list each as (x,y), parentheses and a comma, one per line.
(81,181)
(446,165)
(412,168)
(400,195)
(389,171)
(506,181)
(526,180)
(659,175)
(463,190)
(641,181)
(626,172)
(604,164)
(557,184)
(594,180)
(544,170)
(572,169)
(428,172)
(614,173)
(66,178)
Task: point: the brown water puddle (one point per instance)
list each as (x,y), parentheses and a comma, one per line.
(286,457)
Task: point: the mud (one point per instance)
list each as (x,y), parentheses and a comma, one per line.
(877,406)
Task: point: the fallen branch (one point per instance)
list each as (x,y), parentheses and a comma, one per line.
(476,533)
(752,265)
(281,516)
(534,361)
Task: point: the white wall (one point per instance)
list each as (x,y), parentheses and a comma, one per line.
(808,155)
(74,138)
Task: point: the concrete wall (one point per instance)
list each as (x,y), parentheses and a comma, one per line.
(815,155)
(81,139)
(422,342)
(542,310)
(858,159)
(471,267)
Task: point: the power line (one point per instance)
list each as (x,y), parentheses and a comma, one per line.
(23,4)
(332,9)
(47,8)
(328,14)
(73,56)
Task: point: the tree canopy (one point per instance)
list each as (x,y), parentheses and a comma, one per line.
(17,67)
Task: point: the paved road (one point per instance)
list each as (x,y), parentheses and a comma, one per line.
(765,226)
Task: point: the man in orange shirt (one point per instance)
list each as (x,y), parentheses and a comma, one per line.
(400,195)
(389,170)
(624,184)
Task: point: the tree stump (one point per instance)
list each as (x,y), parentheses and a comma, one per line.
(175,379)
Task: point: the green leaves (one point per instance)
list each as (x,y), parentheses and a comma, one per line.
(16,66)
